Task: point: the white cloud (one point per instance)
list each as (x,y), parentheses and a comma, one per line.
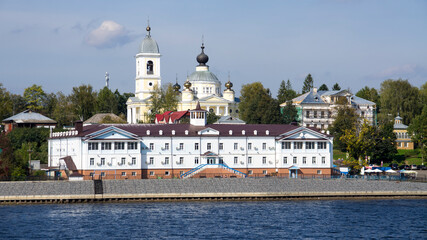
(109,35)
(399,70)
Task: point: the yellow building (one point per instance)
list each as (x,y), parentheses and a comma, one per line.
(403,140)
(201,86)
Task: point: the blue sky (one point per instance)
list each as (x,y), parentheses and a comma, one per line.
(63,44)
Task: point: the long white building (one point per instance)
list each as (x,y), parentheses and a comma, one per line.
(121,151)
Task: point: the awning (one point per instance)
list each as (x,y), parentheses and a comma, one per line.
(293,167)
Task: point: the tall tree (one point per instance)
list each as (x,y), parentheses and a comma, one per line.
(162,100)
(257,105)
(308,84)
(49,105)
(289,113)
(418,130)
(345,119)
(323,87)
(370,94)
(18,103)
(35,97)
(63,112)
(84,101)
(211,117)
(122,99)
(400,97)
(107,101)
(285,92)
(336,87)
(6,104)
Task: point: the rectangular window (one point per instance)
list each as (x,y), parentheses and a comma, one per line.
(323,160)
(93,146)
(166,160)
(151,146)
(304,160)
(297,145)
(285,160)
(91,174)
(264,172)
(196,160)
(315,114)
(181,146)
(264,146)
(166,146)
(249,160)
(151,173)
(322,114)
(307,114)
(92,161)
(196,146)
(264,160)
(132,145)
(313,160)
(106,146)
(295,160)
(208,146)
(221,160)
(102,161)
(250,172)
(123,173)
(123,161)
(181,160)
(309,145)
(133,161)
(236,160)
(119,145)
(181,172)
(321,145)
(236,146)
(102,174)
(249,146)
(319,171)
(151,162)
(286,145)
(221,146)
(133,173)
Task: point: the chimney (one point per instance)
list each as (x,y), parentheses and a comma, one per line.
(314,90)
(78,125)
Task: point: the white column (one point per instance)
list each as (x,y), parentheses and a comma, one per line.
(208,107)
(133,115)
(226,111)
(217,110)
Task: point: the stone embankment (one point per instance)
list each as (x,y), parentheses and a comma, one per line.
(203,189)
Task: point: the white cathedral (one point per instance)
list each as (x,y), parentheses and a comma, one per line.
(201,86)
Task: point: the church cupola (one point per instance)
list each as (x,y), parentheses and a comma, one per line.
(228,93)
(198,116)
(202,58)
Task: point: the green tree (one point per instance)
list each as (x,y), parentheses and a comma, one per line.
(370,94)
(18,103)
(50,104)
(107,101)
(384,148)
(63,112)
(212,117)
(400,97)
(5,155)
(418,130)
(83,99)
(346,119)
(122,99)
(323,87)
(162,100)
(285,92)
(289,113)
(336,87)
(257,105)
(6,104)
(308,84)
(35,97)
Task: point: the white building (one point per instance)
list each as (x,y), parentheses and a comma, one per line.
(201,86)
(119,151)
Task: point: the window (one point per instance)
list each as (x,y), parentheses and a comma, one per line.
(322,114)
(119,145)
(196,146)
(102,174)
(236,146)
(315,114)
(133,161)
(323,160)
(166,160)
(249,146)
(307,114)
(93,146)
(151,162)
(319,171)
(150,67)
(151,173)
(91,174)
(285,160)
(221,146)
(321,145)
(181,146)
(151,146)
(264,160)
(309,145)
(304,160)
(132,145)
(181,172)
(236,160)
(264,172)
(133,173)
(92,161)
(181,160)
(123,161)
(102,161)
(250,172)
(166,146)
(297,145)
(264,146)
(220,160)
(167,173)
(313,160)
(286,145)
(105,146)
(196,160)
(249,160)
(209,146)
(123,173)
(295,160)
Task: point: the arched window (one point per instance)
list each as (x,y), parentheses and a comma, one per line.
(150,67)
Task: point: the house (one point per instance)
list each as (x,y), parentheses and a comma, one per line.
(403,140)
(104,118)
(195,149)
(28,119)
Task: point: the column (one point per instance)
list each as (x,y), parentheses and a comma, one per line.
(226,111)
(217,110)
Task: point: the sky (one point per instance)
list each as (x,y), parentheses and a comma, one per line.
(62,44)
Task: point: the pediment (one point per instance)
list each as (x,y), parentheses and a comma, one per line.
(213,98)
(111,133)
(208,131)
(304,134)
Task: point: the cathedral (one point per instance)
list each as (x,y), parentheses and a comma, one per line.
(202,86)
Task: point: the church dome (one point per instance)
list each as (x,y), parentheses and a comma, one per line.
(202,58)
(148,45)
(203,76)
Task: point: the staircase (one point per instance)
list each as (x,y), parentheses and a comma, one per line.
(98,187)
(201,167)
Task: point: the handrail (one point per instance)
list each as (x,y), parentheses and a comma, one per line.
(194,170)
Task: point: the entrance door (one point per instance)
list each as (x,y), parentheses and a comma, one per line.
(211,161)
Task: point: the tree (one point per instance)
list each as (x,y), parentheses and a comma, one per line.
(63,113)
(336,87)
(35,97)
(6,104)
(323,87)
(418,130)
(5,155)
(346,119)
(285,93)
(49,105)
(212,117)
(162,100)
(308,84)
(400,97)
(83,99)
(257,105)
(122,99)
(384,148)
(107,101)
(18,102)
(370,94)
(289,113)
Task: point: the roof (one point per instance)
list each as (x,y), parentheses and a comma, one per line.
(70,163)
(148,45)
(100,118)
(316,98)
(29,116)
(229,120)
(203,76)
(399,126)
(170,117)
